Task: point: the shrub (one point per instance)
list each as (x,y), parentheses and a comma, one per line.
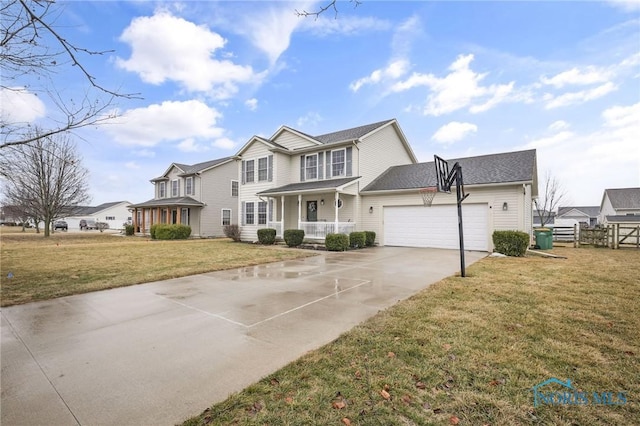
(173,232)
(357,239)
(337,242)
(370,238)
(293,237)
(267,235)
(152,231)
(232,231)
(511,243)
(129,230)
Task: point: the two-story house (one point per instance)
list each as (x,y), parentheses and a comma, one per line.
(620,205)
(203,196)
(293,180)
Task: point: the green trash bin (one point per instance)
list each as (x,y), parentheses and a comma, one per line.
(544,238)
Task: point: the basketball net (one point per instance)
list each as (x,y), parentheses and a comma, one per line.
(428,195)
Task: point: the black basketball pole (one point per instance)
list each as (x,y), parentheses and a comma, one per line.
(460,198)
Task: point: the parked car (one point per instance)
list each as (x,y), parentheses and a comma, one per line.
(60,224)
(86,224)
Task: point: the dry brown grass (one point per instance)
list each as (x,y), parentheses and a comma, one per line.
(72,263)
(469,350)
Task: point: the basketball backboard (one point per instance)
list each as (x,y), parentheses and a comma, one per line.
(442,174)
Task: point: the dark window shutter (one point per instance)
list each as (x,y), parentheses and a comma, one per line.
(320,164)
(270,172)
(244,168)
(328,174)
(242,215)
(349,154)
(302,168)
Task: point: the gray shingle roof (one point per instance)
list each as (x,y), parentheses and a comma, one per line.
(624,198)
(306,186)
(624,218)
(166,202)
(349,134)
(591,211)
(505,167)
(89,210)
(195,168)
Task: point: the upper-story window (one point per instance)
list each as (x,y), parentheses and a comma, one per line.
(175,188)
(249,171)
(263,169)
(234,188)
(311,166)
(188,186)
(338,162)
(162,189)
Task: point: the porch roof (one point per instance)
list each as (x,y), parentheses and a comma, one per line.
(314,186)
(169,202)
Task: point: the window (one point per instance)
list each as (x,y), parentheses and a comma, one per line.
(337,162)
(162,189)
(249,171)
(262,213)
(226,217)
(184,216)
(110,218)
(188,186)
(234,188)
(311,166)
(249,214)
(175,188)
(263,169)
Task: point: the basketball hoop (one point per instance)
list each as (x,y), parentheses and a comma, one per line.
(428,195)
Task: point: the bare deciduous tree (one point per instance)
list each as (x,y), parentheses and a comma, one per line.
(44,178)
(32,51)
(330,5)
(551,197)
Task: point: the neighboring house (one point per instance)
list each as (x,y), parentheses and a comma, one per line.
(203,196)
(368,178)
(115,214)
(620,205)
(550,218)
(293,180)
(581,216)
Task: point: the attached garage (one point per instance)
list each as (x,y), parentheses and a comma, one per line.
(437,226)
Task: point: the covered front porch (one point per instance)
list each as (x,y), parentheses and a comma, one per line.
(328,208)
(178,210)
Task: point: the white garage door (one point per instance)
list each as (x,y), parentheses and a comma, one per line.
(436,226)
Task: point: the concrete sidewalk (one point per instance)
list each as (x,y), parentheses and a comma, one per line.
(161,352)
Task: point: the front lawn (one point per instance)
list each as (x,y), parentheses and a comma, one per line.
(469,351)
(37,268)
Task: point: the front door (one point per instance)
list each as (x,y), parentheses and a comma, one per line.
(312,211)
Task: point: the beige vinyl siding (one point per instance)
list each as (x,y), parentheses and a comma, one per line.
(214,190)
(380,151)
(493,196)
(606,210)
(528,210)
(292,141)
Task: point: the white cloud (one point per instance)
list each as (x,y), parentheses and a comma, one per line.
(345,25)
(453,132)
(165,47)
(19,106)
(310,119)
(394,70)
(626,5)
(619,116)
(590,75)
(131,165)
(558,125)
(547,141)
(224,143)
(251,104)
(457,90)
(168,121)
(147,153)
(572,98)
(190,145)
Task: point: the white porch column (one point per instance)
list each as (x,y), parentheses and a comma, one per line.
(335,207)
(299,209)
(282,211)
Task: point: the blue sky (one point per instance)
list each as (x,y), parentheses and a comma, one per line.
(462,78)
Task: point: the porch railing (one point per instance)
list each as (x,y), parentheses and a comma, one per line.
(321,229)
(277,226)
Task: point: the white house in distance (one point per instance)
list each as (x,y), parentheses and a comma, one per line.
(620,205)
(115,214)
(368,178)
(581,216)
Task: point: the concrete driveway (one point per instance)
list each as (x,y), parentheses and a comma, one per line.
(161,352)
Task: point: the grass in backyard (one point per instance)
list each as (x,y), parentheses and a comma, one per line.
(72,263)
(469,350)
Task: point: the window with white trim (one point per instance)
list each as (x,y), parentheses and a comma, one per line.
(162,189)
(188,186)
(110,218)
(262,213)
(338,158)
(249,216)
(263,169)
(311,166)
(226,217)
(249,172)
(175,188)
(234,188)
